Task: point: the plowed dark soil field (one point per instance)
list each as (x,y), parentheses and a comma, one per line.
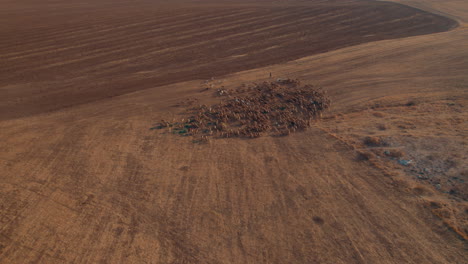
(61,54)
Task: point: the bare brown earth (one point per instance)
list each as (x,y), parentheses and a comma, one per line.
(84,180)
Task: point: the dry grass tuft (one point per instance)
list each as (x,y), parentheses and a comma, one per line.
(318,220)
(374,141)
(381,127)
(394,153)
(420,190)
(365,155)
(378,114)
(448,214)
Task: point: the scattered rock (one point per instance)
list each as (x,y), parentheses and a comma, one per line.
(405,162)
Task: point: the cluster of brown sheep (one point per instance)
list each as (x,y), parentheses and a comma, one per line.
(274,108)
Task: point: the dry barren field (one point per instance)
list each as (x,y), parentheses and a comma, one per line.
(83,178)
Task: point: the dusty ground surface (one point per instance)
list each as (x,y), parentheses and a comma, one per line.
(93,184)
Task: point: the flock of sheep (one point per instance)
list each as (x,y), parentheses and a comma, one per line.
(270,108)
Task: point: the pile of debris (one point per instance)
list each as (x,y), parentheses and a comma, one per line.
(271,108)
